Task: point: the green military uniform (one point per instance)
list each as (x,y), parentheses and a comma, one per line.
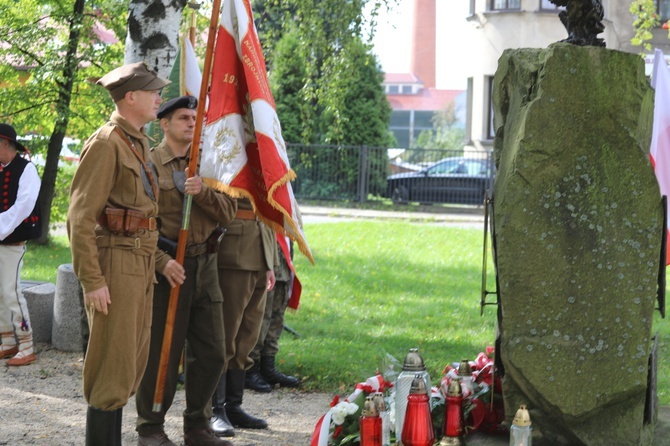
(109,175)
(247,252)
(199,317)
(263,374)
(275,308)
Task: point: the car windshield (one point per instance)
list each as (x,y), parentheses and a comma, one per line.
(458,166)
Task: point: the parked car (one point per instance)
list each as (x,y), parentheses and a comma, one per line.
(451,180)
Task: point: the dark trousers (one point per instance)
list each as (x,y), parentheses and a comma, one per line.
(273,321)
(244,305)
(199,324)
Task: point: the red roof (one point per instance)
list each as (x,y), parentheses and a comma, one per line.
(426,99)
(401,78)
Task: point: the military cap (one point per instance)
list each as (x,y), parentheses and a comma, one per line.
(7,132)
(131,77)
(173,104)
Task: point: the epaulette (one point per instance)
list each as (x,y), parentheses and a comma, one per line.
(106,131)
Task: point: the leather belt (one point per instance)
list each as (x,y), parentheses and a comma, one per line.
(245,214)
(196,250)
(13,244)
(150,223)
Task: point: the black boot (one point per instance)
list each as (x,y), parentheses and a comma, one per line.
(119,422)
(220,423)
(273,376)
(102,428)
(254,381)
(234,394)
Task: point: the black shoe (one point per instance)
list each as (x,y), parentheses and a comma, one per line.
(221,426)
(273,376)
(239,418)
(254,381)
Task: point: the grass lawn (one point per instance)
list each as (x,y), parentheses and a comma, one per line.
(378,289)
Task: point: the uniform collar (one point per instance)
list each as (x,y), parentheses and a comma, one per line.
(124,125)
(165,153)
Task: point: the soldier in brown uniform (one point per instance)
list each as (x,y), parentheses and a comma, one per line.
(113,233)
(264,374)
(247,256)
(199,317)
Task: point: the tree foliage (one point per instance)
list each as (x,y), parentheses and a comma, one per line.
(50,51)
(327,39)
(646,19)
(446,134)
(327,84)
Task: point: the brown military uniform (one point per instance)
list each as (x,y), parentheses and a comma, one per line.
(247,252)
(276,302)
(199,317)
(109,175)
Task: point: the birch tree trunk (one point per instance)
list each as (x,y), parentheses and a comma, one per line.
(153,33)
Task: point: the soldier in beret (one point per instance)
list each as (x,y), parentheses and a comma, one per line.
(199,316)
(19,221)
(113,233)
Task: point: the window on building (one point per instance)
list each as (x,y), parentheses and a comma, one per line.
(406,89)
(400,119)
(393,89)
(546,5)
(490,129)
(423,120)
(502,5)
(663,9)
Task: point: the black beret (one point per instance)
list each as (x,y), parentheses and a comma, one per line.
(131,77)
(173,104)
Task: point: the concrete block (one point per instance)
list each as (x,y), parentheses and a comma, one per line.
(40,300)
(66,328)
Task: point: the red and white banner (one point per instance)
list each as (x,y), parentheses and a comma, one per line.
(243,152)
(660,139)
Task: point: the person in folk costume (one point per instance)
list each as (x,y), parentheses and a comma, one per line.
(19,221)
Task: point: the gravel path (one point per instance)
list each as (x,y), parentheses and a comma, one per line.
(43,404)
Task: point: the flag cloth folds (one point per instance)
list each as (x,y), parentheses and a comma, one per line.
(295,288)
(660,137)
(243,152)
(186,78)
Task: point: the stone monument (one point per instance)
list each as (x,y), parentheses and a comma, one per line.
(578,226)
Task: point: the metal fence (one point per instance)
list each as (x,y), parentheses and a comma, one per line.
(361,173)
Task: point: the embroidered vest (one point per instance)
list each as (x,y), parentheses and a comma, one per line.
(31,227)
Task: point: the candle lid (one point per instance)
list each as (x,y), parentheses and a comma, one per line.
(369,408)
(413,361)
(522,417)
(454,388)
(378,399)
(464,368)
(418,385)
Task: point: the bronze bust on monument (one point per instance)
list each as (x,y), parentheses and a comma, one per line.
(583,20)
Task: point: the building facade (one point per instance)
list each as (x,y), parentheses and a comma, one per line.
(413,96)
(503,24)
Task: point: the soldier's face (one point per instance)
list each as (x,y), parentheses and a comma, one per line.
(180,127)
(147,103)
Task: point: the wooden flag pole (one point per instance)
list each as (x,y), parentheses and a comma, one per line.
(186,215)
(191,31)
